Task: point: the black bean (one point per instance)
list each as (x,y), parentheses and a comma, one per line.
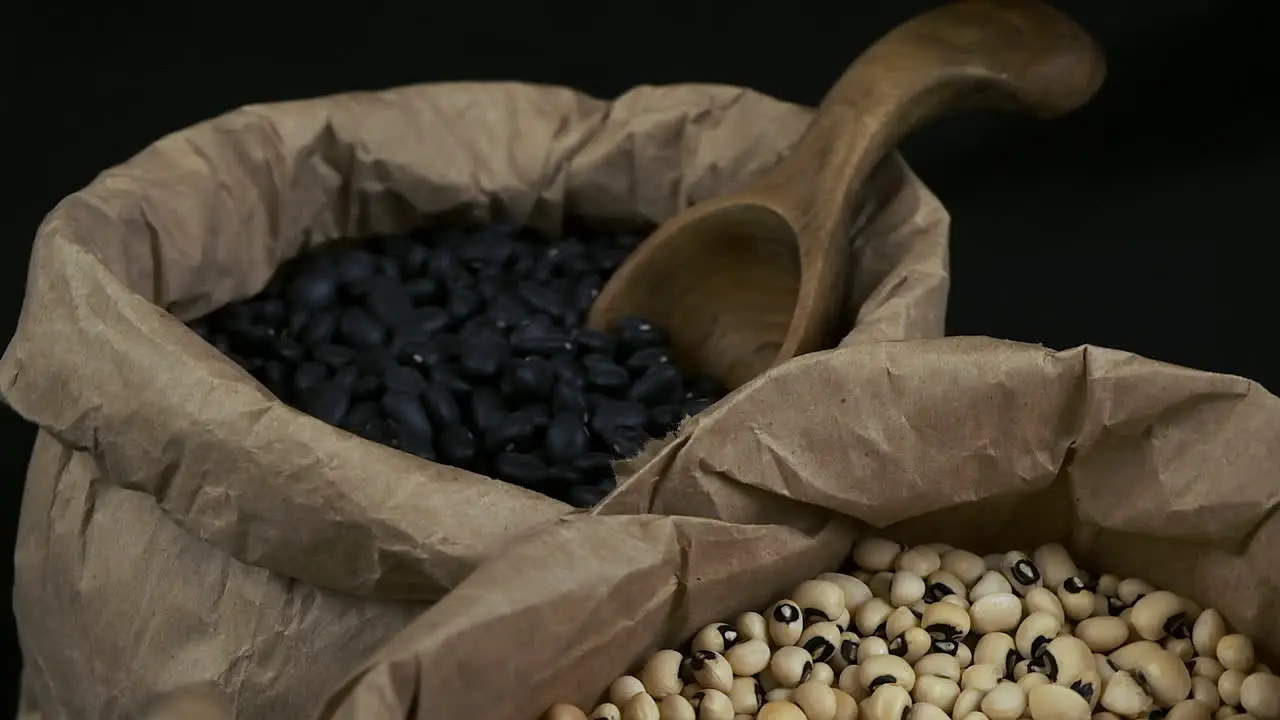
(528,378)
(607,377)
(403,379)
(406,410)
(487,408)
(524,470)
(389,303)
(482,354)
(566,438)
(457,446)
(693,407)
(469,346)
(309,374)
(359,329)
(659,385)
(327,401)
(441,406)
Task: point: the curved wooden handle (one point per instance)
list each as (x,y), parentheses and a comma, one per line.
(995,53)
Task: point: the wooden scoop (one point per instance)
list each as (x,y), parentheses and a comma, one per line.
(752,279)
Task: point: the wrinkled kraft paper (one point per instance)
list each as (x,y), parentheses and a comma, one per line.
(180,524)
(1143,468)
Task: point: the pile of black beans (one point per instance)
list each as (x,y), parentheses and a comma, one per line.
(467,347)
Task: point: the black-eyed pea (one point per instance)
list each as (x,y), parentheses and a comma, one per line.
(1125,697)
(748,658)
(1022,669)
(780,710)
(996,648)
(899,621)
(1042,599)
(776,694)
(1229,687)
(975,715)
(844,620)
(690,690)
(1035,632)
(997,612)
(941,583)
(846,705)
(958,600)
(906,588)
(1260,695)
(791,666)
(881,585)
(1005,701)
(1205,692)
(1188,710)
(712,705)
(1104,667)
(1065,660)
(785,622)
(848,682)
(870,618)
(855,591)
(936,690)
(751,626)
(1056,702)
(917,608)
(1131,590)
(1055,563)
(606,711)
(676,707)
(1226,711)
(887,702)
(874,554)
(846,651)
(964,565)
(982,677)
(716,637)
(992,582)
(622,689)
(1182,647)
(1022,574)
(1158,614)
(921,560)
(746,695)
(823,673)
(964,655)
(711,670)
(1207,631)
(1108,584)
(925,711)
(1102,605)
(1207,667)
(939,665)
(1104,715)
(1236,652)
(886,670)
(816,700)
(641,706)
(1164,676)
(872,647)
(1103,633)
(1032,680)
(1078,601)
(820,640)
(661,674)
(863,575)
(968,701)
(911,645)
(819,600)
(945,621)
(563,711)
(767,680)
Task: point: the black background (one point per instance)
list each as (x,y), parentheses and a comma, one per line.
(1143,222)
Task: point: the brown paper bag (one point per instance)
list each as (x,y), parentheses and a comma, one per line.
(1143,468)
(180,524)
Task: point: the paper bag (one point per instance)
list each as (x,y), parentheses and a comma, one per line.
(182,525)
(1142,468)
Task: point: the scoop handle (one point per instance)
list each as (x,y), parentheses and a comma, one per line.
(1020,54)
